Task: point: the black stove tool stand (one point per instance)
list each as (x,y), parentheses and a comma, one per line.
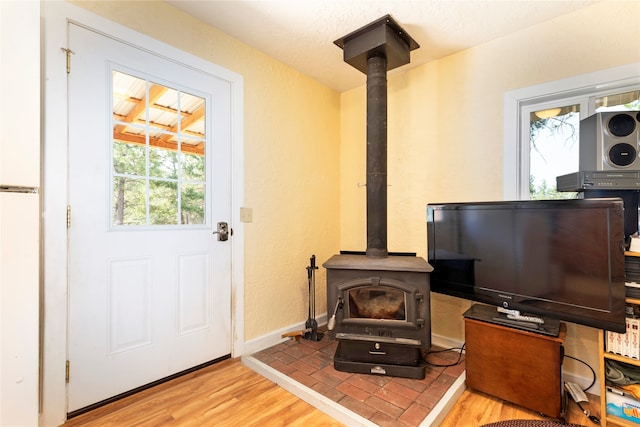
(311,326)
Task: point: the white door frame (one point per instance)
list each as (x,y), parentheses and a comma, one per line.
(55,190)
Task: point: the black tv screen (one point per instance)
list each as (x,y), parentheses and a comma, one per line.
(562,259)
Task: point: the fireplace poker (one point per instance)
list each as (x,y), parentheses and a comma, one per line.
(312,323)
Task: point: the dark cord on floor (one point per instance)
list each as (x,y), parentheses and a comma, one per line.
(461,350)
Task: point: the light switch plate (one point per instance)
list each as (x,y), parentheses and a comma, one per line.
(246,214)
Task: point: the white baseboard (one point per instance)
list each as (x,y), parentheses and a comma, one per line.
(445,342)
(275,337)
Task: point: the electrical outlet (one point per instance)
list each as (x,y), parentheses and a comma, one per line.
(246,215)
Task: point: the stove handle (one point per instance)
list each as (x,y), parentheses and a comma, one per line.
(331,324)
(377,350)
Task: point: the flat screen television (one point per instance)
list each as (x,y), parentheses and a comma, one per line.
(561,259)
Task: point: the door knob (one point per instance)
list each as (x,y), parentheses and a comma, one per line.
(222,231)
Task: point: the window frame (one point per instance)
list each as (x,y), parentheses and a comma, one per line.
(207,182)
(517,104)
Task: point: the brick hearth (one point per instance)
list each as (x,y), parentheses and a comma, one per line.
(377,400)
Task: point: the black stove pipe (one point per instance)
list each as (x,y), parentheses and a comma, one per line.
(375,49)
(377,156)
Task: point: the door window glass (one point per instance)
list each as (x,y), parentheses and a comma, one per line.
(158,154)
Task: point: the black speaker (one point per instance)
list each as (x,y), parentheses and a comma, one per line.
(630,200)
(610,141)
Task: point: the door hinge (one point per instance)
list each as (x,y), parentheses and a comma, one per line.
(67,368)
(68,52)
(68,216)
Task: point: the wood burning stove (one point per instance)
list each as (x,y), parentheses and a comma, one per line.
(381,316)
(381,313)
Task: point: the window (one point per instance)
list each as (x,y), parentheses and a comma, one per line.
(158,154)
(554,138)
(541,139)
(553,148)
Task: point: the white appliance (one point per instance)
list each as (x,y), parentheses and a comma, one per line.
(19,213)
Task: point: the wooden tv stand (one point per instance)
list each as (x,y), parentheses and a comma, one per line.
(518,366)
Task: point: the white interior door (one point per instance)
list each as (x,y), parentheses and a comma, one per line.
(149,179)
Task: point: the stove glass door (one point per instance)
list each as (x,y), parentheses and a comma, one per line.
(377,302)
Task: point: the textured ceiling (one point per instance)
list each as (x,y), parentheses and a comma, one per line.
(300,33)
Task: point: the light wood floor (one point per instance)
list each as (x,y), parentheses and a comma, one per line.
(474,409)
(230,394)
(225,394)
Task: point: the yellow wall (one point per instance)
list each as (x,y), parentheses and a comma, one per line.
(305,145)
(291,125)
(445,131)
